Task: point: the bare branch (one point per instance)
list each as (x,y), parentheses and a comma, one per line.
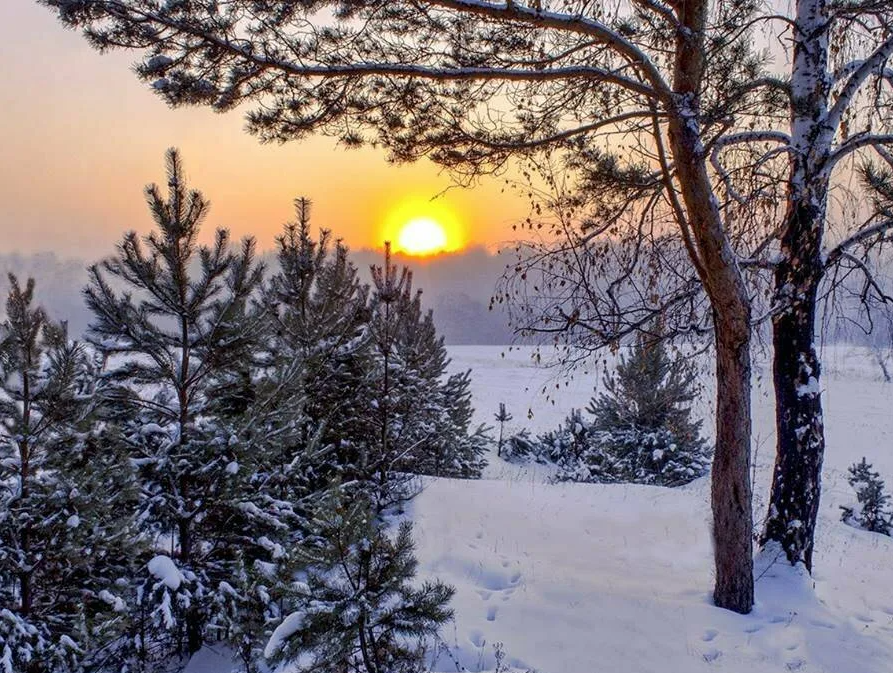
(864,234)
(859,76)
(855,143)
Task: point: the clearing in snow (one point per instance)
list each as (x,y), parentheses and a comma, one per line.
(585,578)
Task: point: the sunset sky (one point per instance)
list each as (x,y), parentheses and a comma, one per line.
(80,137)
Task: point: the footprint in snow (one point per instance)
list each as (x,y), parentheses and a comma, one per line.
(492,611)
(711,655)
(709,635)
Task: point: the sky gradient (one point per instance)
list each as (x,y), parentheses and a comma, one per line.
(81,137)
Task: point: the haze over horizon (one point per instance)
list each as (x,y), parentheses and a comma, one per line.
(82,137)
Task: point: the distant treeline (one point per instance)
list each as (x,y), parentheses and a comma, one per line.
(457,288)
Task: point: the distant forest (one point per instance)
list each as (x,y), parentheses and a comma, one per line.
(456,286)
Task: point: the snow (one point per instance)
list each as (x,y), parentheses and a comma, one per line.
(289,626)
(560,576)
(558,573)
(275,549)
(566,574)
(164,569)
(116,603)
(809,389)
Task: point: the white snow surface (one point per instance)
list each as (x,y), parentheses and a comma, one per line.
(582,578)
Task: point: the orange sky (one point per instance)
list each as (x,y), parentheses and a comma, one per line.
(80,137)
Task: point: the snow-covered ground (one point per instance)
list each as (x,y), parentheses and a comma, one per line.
(578,578)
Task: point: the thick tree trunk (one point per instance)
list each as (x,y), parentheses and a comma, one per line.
(796,481)
(717,266)
(730,487)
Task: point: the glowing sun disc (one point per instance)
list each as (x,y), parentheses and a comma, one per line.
(422,236)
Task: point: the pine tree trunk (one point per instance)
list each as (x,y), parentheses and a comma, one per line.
(730,486)
(715,260)
(25,588)
(25,594)
(796,481)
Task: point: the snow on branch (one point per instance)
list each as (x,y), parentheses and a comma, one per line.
(860,74)
(866,233)
(573,23)
(857,142)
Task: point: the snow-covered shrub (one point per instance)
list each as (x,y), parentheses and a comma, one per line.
(565,445)
(872,511)
(355,606)
(520,446)
(640,429)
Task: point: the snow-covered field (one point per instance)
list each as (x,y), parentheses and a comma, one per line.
(577,578)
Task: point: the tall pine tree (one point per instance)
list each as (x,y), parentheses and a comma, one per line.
(423,415)
(185,326)
(65,531)
(319,312)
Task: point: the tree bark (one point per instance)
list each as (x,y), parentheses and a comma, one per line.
(796,481)
(730,486)
(717,266)
(25,588)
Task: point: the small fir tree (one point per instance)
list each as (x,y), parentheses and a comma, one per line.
(502,417)
(520,446)
(423,416)
(641,429)
(565,446)
(355,607)
(873,511)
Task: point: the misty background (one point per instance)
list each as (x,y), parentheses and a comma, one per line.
(457,287)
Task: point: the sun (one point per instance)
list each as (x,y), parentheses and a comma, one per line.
(422,236)
(423,227)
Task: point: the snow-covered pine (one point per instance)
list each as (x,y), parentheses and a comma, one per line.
(66,535)
(422,416)
(319,312)
(355,606)
(641,428)
(184,324)
(872,511)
